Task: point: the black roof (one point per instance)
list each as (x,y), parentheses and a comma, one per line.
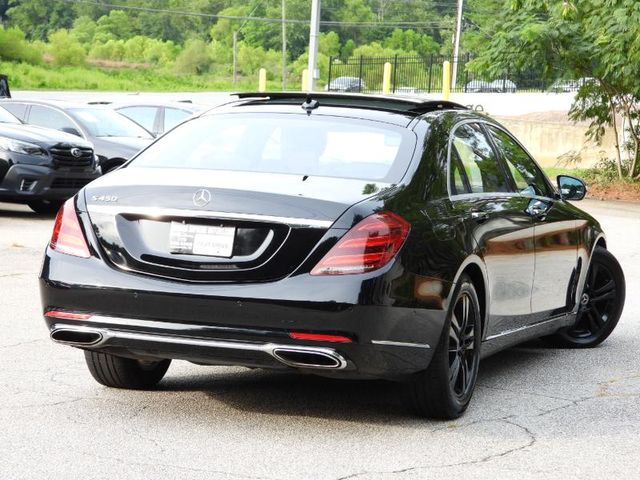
(404,105)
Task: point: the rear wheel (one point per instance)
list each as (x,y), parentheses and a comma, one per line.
(445,389)
(45,207)
(601,304)
(120,372)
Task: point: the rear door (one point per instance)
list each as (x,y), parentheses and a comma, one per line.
(556,236)
(482,194)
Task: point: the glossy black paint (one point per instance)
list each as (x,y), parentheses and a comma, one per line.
(526,254)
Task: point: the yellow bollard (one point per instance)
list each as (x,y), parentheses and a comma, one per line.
(305,80)
(386,79)
(262,80)
(446,80)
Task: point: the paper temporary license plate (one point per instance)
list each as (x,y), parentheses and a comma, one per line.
(201,240)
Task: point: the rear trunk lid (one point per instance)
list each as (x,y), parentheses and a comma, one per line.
(215,226)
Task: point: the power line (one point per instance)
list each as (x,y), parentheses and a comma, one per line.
(252,18)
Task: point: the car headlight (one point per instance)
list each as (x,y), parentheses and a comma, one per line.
(18,146)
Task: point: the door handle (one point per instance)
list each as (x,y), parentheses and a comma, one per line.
(538,209)
(480,216)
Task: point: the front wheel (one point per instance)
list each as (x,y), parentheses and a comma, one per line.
(601,304)
(120,372)
(444,389)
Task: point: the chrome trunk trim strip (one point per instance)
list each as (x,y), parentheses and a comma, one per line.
(155,212)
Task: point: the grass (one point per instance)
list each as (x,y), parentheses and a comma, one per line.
(23,76)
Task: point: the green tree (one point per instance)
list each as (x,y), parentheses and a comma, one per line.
(84,29)
(587,39)
(39,17)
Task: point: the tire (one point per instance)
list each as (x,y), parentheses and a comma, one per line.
(45,207)
(119,372)
(431,393)
(601,304)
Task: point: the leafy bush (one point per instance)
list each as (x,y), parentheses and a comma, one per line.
(194,58)
(13,46)
(65,49)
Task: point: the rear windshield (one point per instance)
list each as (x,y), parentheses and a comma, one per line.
(295,144)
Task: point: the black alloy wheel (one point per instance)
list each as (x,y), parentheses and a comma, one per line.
(601,304)
(444,390)
(463,358)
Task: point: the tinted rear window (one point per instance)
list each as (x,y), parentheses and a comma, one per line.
(296,144)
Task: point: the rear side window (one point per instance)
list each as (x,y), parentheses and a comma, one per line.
(527,176)
(173,116)
(295,144)
(145,116)
(17,109)
(50,118)
(475,167)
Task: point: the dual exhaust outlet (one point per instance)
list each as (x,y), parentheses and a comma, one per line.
(289,355)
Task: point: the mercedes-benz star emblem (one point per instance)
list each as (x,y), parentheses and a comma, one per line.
(201,198)
(76,152)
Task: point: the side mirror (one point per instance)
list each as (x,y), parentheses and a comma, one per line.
(571,188)
(71,130)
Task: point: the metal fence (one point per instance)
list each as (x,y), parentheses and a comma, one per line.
(415,75)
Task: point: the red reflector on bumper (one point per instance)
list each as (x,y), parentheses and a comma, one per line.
(67,315)
(319,337)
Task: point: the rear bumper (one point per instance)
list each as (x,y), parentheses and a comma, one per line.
(245,324)
(24,183)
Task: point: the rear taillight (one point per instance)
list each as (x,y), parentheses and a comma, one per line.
(369,245)
(67,235)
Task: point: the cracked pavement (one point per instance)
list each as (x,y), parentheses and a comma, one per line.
(537,412)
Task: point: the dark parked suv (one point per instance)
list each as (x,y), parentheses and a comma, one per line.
(115,137)
(42,167)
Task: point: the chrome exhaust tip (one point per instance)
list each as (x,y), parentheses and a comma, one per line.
(77,336)
(301,357)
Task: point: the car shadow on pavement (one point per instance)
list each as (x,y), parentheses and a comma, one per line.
(369,401)
(16,211)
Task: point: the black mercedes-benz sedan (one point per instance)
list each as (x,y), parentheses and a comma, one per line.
(343,235)
(42,167)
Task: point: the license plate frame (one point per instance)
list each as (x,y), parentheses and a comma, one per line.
(201,240)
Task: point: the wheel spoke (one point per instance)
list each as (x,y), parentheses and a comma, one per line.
(464,373)
(607,287)
(610,295)
(454,371)
(595,322)
(593,274)
(465,312)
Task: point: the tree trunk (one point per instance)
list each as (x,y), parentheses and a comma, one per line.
(615,131)
(636,139)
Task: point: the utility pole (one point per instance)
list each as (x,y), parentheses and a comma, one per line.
(314,31)
(284,47)
(456,46)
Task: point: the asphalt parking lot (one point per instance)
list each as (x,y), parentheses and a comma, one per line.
(537,412)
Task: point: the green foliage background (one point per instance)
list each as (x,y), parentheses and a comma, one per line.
(51,34)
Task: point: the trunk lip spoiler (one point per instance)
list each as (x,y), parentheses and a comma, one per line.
(178,212)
